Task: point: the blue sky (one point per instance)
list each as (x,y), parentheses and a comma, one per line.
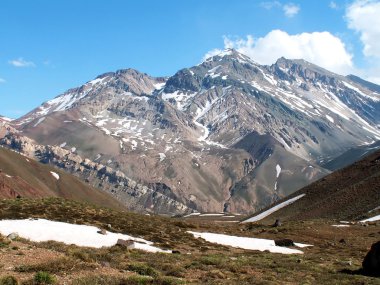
(50,46)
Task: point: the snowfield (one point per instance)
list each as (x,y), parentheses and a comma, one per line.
(40,230)
(273,209)
(373,219)
(248,243)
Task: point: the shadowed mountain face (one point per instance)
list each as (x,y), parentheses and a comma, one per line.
(351,193)
(228,134)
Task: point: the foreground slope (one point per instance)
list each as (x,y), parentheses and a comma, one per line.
(23,177)
(351,193)
(196,261)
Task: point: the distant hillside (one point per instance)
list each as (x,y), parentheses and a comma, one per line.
(24,177)
(350,156)
(350,193)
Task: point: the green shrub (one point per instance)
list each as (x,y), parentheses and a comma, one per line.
(98,280)
(137,280)
(8,280)
(44,278)
(143,269)
(59,265)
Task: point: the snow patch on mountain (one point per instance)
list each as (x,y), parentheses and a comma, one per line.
(39,121)
(330,118)
(372,219)
(162,156)
(273,209)
(357,90)
(278,170)
(55,175)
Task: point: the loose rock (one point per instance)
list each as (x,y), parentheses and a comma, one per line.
(371,262)
(284,242)
(13,236)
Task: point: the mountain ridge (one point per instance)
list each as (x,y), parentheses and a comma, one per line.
(184,128)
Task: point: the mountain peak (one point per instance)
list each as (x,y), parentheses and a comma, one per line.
(300,64)
(5,119)
(230,53)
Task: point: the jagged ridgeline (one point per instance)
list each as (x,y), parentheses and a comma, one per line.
(226,135)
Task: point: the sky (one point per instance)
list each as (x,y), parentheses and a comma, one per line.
(47,47)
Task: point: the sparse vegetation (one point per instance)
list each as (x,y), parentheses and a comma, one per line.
(143,269)
(59,265)
(8,280)
(42,277)
(328,262)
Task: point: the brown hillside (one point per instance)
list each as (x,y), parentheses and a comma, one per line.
(349,193)
(21,176)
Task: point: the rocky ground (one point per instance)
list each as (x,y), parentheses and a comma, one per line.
(334,258)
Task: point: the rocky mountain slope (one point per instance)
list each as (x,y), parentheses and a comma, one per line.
(26,178)
(350,156)
(225,135)
(351,193)
(130,194)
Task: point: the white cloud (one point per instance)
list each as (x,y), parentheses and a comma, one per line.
(20,62)
(321,48)
(364,17)
(291,10)
(373,79)
(270,4)
(2,80)
(333,5)
(211,53)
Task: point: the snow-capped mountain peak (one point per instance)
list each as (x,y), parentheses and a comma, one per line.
(211,129)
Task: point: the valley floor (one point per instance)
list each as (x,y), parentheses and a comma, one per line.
(334,258)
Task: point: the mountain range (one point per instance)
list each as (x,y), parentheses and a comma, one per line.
(227,134)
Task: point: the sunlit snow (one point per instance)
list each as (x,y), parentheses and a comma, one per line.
(55,175)
(247,243)
(373,219)
(273,209)
(40,230)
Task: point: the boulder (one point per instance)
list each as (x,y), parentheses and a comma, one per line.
(284,242)
(13,236)
(102,231)
(126,243)
(277,223)
(371,262)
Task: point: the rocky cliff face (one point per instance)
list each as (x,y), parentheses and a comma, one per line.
(155,198)
(228,134)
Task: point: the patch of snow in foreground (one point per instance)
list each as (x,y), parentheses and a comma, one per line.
(211,215)
(247,243)
(56,176)
(192,214)
(373,219)
(341,226)
(40,230)
(273,209)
